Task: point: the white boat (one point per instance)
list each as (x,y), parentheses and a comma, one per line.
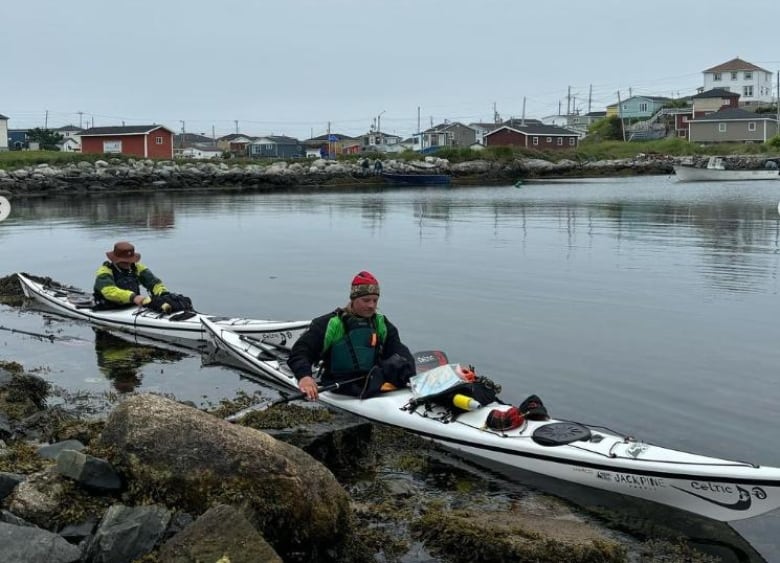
(720,489)
(182,328)
(716,171)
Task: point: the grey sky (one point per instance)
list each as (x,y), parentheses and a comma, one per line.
(291,66)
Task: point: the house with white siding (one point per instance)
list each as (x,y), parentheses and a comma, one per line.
(751,82)
(3,133)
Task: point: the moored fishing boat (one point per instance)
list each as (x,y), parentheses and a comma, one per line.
(183,327)
(716,171)
(593,456)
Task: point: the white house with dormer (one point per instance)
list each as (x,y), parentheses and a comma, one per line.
(751,82)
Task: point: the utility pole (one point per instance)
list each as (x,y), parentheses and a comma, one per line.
(214,135)
(620,115)
(590,96)
(522,121)
(330,152)
(777,104)
(46,120)
(568,101)
(236,122)
(183,134)
(81,115)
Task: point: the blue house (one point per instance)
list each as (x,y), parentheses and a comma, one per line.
(17,139)
(275,146)
(638,107)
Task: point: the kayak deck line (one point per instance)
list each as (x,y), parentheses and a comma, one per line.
(712,487)
(142,321)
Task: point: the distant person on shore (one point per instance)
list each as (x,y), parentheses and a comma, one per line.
(357,345)
(378,167)
(364,166)
(118,281)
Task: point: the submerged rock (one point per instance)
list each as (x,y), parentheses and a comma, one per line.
(221,534)
(26,544)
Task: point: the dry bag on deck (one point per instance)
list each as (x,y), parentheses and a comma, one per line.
(440,385)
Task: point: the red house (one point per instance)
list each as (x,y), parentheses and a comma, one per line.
(143,141)
(532,136)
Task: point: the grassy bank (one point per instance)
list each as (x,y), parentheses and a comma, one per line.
(587,151)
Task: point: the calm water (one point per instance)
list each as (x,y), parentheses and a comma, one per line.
(644,305)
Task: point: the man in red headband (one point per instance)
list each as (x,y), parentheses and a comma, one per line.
(351,343)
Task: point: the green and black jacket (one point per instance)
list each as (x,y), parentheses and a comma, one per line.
(115,287)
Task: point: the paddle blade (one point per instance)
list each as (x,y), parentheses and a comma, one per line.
(429,359)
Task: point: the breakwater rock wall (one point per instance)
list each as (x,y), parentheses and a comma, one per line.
(144,174)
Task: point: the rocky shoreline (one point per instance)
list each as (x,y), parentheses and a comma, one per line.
(117,174)
(293,483)
(121,175)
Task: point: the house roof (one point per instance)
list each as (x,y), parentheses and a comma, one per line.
(734,64)
(338,137)
(278,139)
(735,114)
(232,136)
(190,138)
(539,129)
(445,126)
(716,93)
(68,128)
(2,116)
(123,130)
(596,114)
(520,123)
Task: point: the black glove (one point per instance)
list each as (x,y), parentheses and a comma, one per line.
(397,370)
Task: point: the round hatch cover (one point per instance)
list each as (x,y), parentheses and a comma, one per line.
(560,433)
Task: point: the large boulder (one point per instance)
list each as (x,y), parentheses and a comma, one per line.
(187,458)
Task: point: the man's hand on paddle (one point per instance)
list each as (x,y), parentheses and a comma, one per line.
(308,386)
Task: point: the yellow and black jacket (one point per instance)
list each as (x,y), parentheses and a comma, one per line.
(115,287)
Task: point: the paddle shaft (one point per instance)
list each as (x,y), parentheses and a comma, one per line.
(49,337)
(423,361)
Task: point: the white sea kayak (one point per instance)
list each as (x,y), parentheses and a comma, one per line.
(183,328)
(720,489)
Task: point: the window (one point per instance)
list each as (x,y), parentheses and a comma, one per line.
(721,127)
(748,75)
(112,147)
(560,141)
(158,140)
(733,75)
(548,140)
(716,77)
(643,106)
(747,91)
(751,125)
(536,140)
(572,141)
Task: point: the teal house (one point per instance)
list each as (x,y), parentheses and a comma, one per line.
(638,107)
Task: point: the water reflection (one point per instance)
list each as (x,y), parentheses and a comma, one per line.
(139,210)
(120,359)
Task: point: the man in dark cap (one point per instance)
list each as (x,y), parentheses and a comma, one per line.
(352,343)
(118,281)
